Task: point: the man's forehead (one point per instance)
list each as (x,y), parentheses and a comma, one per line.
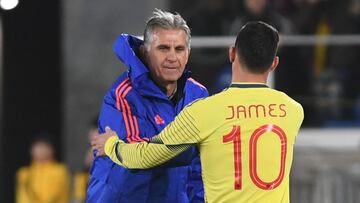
(163,35)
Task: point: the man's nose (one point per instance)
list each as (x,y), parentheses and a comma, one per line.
(171,56)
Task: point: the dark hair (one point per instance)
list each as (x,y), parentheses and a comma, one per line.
(43,137)
(256,45)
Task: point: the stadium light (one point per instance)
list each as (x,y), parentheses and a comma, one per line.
(8,4)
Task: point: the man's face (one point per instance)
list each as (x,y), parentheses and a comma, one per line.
(257,7)
(42,152)
(167,55)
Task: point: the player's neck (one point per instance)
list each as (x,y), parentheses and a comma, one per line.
(241,75)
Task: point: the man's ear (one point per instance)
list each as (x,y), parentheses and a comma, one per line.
(188,54)
(142,50)
(274,64)
(232,54)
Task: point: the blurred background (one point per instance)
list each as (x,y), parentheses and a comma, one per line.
(56,64)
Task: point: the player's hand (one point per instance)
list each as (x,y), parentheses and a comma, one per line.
(98,141)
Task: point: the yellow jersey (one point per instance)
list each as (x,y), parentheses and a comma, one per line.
(43,183)
(81,181)
(245,136)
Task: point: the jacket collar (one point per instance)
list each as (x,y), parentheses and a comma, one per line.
(126,48)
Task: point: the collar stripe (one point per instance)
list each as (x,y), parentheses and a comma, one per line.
(249,85)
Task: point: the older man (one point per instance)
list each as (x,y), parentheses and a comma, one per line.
(140,104)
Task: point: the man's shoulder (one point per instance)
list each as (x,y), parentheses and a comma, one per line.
(122,80)
(192,83)
(23,171)
(120,91)
(290,101)
(22,174)
(196,87)
(120,88)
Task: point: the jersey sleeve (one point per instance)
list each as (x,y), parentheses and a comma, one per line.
(184,129)
(177,137)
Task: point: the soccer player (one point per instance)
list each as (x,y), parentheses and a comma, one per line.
(245,134)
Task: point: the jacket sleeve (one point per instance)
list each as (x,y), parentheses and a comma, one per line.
(101,166)
(112,117)
(195,187)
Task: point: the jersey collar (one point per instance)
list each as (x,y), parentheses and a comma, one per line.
(249,85)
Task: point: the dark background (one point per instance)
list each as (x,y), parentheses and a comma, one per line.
(31,84)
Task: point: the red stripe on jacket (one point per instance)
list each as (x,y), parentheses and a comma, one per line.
(120,103)
(196,82)
(131,124)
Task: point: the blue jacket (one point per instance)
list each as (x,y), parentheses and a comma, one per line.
(137,109)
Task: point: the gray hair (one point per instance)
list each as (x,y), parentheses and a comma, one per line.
(165,20)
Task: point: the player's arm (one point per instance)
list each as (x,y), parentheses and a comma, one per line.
(177,137)
(141,155)
(112,115)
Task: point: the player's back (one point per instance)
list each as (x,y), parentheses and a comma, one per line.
(247,150)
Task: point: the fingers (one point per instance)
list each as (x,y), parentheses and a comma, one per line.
(96,145)
(98,141)
(93,144)
(93,140)
(100,153)
(107,129)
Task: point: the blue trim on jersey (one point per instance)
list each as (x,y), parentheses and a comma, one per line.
(248,85)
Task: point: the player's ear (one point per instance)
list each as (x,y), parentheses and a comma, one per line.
(274,64)
(232,54)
